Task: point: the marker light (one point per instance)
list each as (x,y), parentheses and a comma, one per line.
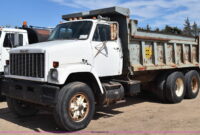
(94,17)
(7,62)
(55,64)
(25,23)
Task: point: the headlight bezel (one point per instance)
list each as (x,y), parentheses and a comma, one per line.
(6,70)
(54,74)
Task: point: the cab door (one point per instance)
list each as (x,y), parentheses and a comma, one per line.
(106,51)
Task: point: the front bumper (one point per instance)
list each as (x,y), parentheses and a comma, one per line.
(29,91)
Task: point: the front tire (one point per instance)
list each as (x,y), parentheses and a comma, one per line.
(175,87)
(20,108)
(192,84)
(75,107)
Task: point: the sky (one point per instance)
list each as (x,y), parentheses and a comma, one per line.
(48,13)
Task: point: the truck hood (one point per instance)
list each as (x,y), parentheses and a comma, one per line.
(64,51)
(48,46)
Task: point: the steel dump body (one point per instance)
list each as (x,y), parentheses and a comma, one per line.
(155,51)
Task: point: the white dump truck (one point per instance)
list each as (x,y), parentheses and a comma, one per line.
(98,58)
(16,37)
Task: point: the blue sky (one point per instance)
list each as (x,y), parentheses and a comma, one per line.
(48,13)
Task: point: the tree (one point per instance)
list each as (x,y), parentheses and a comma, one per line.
(167,29)
(157,30)
(148,28)
(177,30)
(171,30)
(187,27)
(195,31)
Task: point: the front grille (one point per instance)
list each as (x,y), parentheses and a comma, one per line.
(27,64)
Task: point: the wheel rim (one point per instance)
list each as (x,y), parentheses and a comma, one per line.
(79,107)
(194,85)
(179,87)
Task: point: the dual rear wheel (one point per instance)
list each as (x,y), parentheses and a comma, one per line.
(192,84)
(174,87)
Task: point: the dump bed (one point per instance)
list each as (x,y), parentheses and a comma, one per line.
(155,51)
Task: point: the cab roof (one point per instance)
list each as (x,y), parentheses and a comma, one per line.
(92,20)
(13,30)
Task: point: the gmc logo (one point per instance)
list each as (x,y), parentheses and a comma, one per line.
(23,51)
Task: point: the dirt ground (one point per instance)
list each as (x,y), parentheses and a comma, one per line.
(137,115)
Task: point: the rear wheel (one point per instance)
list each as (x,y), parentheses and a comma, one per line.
(192,84)
(20,108)
(175,87)
(75,107)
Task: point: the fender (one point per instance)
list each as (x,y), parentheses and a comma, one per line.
(65,71)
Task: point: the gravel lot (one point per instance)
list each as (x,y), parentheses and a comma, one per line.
(142,114)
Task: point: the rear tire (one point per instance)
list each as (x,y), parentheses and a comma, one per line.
(75,106)
(20,108)
(192,83)
(175,87)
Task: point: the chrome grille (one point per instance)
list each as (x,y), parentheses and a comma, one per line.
(27,64)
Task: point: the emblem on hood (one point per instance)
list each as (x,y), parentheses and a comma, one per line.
(24,51)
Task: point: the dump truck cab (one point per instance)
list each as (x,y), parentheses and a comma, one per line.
(91,36)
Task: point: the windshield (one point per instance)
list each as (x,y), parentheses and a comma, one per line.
(72,30)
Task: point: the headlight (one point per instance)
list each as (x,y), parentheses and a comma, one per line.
(54,74)
(6,70)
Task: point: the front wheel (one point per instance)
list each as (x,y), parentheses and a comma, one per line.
(75,107)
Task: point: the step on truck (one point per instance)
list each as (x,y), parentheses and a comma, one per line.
(16,37)
(97,58)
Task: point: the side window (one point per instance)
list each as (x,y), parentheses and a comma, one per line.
(13,40)
(9,40)
(20,40)
(96,36)
(102,33)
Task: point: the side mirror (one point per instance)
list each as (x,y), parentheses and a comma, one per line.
(113,31)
